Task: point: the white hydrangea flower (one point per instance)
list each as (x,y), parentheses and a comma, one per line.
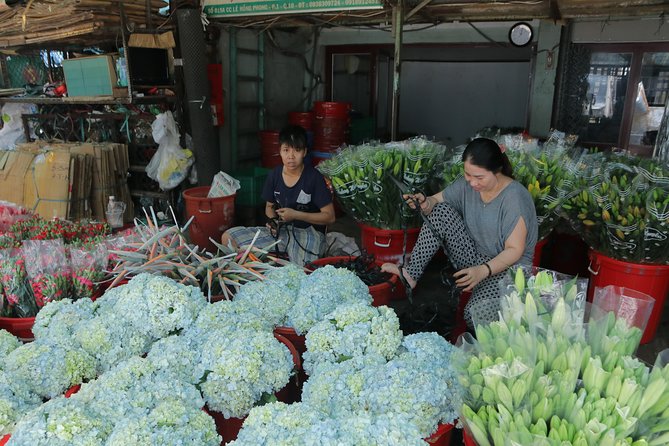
(321,292)
(8,343)
(49,370)
(157,305)
(178,355)
(289,276)
(111,339)
(57,319)
(171,422)
(269,299)
(337,389)
(136,386)
(365,429)
(15,401)
(229,316)
(352,330)
(62,422)
(241,368)
(277,424)
(421,382)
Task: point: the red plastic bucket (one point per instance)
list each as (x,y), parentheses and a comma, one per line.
(386,244)
(382,293)
(652,280)
(269,149)
(213,216)
(331,109)
(21,327)
(303,119)
(538,250)
(227,428)
(442,436)
(297,340)
(469,441)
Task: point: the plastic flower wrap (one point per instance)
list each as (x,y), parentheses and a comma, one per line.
(618,319)
(269,299)
(542,172)
(158,306)
(532,295)
(546,385)
(110,339)
(361,178)
(352,330)
(49,370)
(48,270)
(17,295)
(619,204)
(88,266)
(8,343)
(289,276)
(170,423)
(228,316)
(15,401)
(56,321)
(241,368)
(62,422)
(321,292)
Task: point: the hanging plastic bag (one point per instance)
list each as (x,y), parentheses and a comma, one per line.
(169,166)
(12,132)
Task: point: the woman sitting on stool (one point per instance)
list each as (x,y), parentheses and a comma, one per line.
(487,221)
(298,204)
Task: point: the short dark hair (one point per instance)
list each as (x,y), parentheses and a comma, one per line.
(486,153)
(293,136)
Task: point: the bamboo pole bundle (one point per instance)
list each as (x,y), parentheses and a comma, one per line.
(46,20)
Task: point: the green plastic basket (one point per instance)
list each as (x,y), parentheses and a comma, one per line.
(251,182)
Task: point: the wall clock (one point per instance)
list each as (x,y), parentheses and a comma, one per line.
(521,34)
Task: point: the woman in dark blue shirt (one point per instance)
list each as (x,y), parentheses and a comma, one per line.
(297,197)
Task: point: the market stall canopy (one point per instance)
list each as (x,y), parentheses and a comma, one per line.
(350,12)
(75,22)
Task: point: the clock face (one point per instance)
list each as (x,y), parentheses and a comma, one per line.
(520,34)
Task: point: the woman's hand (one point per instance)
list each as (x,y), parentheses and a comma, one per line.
(426,203)
(468,278)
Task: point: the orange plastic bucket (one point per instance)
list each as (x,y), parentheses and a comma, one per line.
(652,280)
(213,216)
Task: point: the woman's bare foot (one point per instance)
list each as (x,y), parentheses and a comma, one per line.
(394,269)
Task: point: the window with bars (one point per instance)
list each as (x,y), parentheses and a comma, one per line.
(614,94)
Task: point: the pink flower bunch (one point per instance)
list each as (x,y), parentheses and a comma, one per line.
(13,275)
(50,287)
(86,282)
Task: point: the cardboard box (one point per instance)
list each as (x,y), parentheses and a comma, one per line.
(92,76)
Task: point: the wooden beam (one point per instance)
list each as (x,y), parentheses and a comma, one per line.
(417,8)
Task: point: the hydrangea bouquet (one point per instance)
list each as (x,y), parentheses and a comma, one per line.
(352,330)
(321,292)
(241,368)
